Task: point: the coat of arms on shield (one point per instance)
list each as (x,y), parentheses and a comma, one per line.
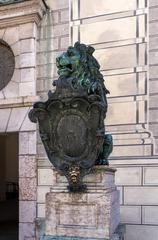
(71,121)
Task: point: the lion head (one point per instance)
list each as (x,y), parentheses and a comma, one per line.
(79,64)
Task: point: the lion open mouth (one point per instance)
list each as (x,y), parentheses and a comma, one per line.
(67,67)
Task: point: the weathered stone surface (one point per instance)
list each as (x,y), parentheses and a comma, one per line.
(27,189)
(130,214)
(27,211)
(27,166)
(114,30)
(26,230)
(143,231)
(150,215)
(141,195)
(88,9)
(93,215)
(128,176)
(15,123)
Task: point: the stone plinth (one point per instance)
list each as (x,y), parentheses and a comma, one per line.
(90,215)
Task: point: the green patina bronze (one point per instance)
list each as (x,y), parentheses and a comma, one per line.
(71,121)
(4,2)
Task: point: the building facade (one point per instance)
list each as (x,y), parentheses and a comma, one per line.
(124,34)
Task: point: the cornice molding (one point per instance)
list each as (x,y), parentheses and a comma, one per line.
(22,12)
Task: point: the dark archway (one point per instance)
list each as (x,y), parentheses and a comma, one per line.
(9,190)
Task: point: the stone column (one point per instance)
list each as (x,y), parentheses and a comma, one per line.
(90,215)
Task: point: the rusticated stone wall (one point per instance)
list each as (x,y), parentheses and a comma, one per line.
(53,39)
(119,32)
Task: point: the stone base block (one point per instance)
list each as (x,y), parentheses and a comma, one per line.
(114,237)
(91,215)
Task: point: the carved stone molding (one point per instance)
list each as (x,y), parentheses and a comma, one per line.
(22,12)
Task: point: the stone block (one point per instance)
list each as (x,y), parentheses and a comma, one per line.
(27,89)
(128,176)
(28,30)
(141,195)
(16,76)
(153,56)
(26,230)
(41,210)
(154,128)
(153,14)
(27,166)
(91,8)
(150,175)
(153,101)
(27,143)
(46,71)
(27,45)
(11,90)
(141,232)
(56,5)
(153,3)
(120,189)
(150,215)
(153,72)
(64,15)
(16,48)
(105,31)
(125,110)
(132,150)
(41,151)
(60,30)
(64,42)
(46,58)
(153,115)
(110,58)
(11,35)
(4,113)
(130,214)
(153,43)
(32,142)
(43,45)
(41,193)
(27,189)
(46,177)
(93,214)
(153,28)
(27,211)
(121,85)
(80,215)
(55,17)
(153,87)
(27,125)
(15,122)
(27,60)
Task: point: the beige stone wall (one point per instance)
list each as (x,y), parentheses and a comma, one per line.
(52,40)
(153,69)
(119,32)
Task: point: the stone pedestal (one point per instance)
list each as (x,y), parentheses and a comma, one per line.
(91,215)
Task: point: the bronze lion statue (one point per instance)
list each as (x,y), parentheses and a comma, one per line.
(78,68)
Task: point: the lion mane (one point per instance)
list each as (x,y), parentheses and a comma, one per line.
(80,69)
